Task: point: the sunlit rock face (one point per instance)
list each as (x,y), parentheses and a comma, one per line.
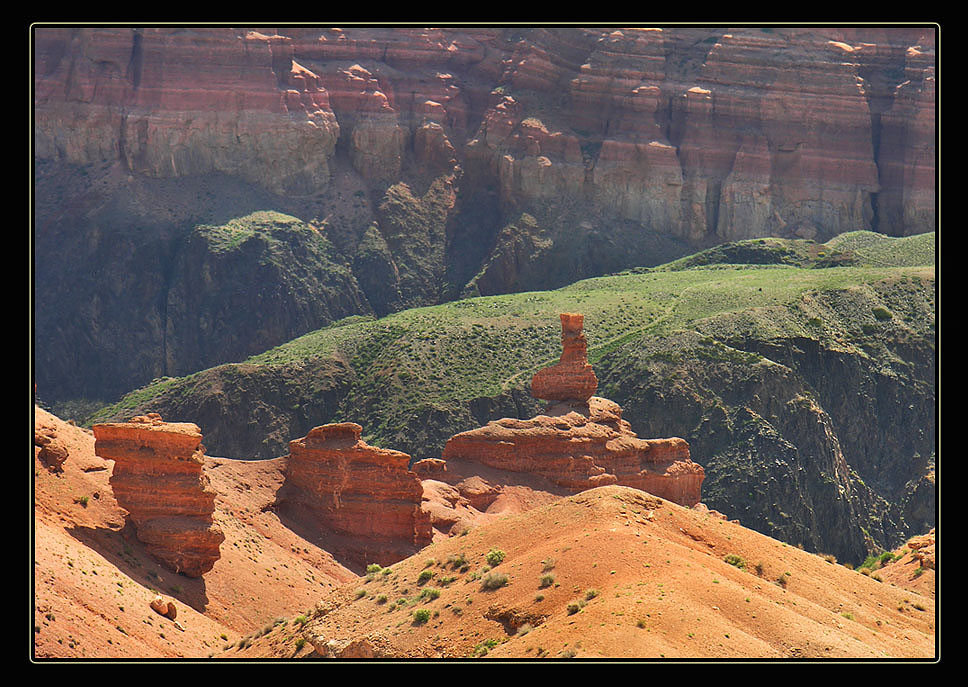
(158,479)
(580,441)
(361,493)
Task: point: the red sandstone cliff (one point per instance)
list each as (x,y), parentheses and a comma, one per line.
(337,484)
(725,132)
(158,479)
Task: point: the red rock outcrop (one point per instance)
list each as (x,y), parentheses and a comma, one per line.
(363,494)
(571,378)
(158,479)
(581,446)
(924,549)
(51,452)
(581,440)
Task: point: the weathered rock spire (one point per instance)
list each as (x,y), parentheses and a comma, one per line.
(571,378)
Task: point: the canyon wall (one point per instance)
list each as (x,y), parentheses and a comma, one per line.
(437,163)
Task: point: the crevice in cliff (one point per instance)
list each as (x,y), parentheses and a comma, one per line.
(876,144)
(713,192)
(281,62)
(136,61)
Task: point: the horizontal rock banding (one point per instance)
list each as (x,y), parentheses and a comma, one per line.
(158,479)
(351,488)
(582,446)
(580,441)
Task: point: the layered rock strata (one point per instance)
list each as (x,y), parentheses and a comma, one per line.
(158,479)
(580,446)
(364,494)
(532,157)
(581,441)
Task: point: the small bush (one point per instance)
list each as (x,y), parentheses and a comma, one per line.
(574,607)
(360,593)
(494,557)
(421,615)
(882,314)
(485,646)
(736,561)
(886,558)
(494,581)
(430,594)
(424,576)
(547,580)
(591,594)
(374,568)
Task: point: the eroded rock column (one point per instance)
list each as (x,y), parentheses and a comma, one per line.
(364,494)
(580,441)
(572,378)
(158,479)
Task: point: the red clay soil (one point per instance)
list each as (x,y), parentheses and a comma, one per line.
(93,581)
(609,573)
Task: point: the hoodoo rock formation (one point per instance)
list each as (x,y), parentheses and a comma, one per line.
(365,495)
(581,441)
(158,479)
(572,378)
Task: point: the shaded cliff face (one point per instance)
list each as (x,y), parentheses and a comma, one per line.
(442,162)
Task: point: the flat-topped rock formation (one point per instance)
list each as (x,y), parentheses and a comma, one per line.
(582,446)
(365,495)
(572,378)
(158,479)
(580,441)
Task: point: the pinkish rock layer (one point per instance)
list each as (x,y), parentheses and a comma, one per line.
(357,491)
(699,132)
(158,479)
(571,378)
(582,446)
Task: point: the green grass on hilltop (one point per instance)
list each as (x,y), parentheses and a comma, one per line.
(887,251)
